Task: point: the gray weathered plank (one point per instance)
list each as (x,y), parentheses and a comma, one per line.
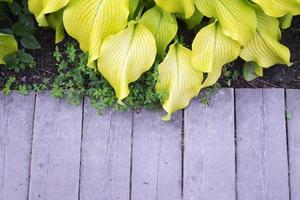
(262,167)
(157,157)
(106,155)
(55,150)
(293,106)
(209,149)
(16,117)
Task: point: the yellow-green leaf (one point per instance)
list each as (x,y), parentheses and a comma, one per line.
(133,5)
(125,56)
(178,79)
(251,71)
(212,77)
(237,18)
(193,21)
(177,6)
(40,8)
(212,49)
(163,26)
(55,21)
(91,21)
(264,47)
(259,71)
(286,21)
(279,8)
(8,45)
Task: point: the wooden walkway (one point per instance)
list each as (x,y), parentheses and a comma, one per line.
(241,147)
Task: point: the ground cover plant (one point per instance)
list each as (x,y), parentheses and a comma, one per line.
(135,52)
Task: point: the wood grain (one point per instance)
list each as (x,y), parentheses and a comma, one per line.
(16,116)
(56,150)
(157,157)
(209,151)
(262,167)
(293,106)
(106,155)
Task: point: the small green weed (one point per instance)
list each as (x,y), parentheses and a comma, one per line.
(208,93)
(288,115)
(75,81)
(22,89)
(230,74)
(20,61)
(8,85)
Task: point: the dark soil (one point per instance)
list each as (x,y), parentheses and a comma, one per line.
(278,76)
(45,63)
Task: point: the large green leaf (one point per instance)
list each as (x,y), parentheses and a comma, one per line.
(178,6)
(40,8)
(251,71)
(133,5)
(286,21)
(279,8)
(125,56)
(163,26)
(91,21)
(211,50)
(237,18)
(178,79)
(264,47)
(193,21)
(30,42)
(8,45)
(55,21)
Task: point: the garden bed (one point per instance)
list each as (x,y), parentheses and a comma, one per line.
(278,76)
(199,43)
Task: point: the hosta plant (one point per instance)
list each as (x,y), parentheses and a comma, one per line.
(8,45)
(123,38)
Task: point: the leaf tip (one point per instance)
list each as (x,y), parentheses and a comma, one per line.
(166,118)
(120,102)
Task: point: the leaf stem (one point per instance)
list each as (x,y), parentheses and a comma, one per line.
(138,17)
(176,40)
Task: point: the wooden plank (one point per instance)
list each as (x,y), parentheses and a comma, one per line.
(106,155)
(157,157)
(56,150)
(293,106)
(262,167)
(16,117)
(209,149)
